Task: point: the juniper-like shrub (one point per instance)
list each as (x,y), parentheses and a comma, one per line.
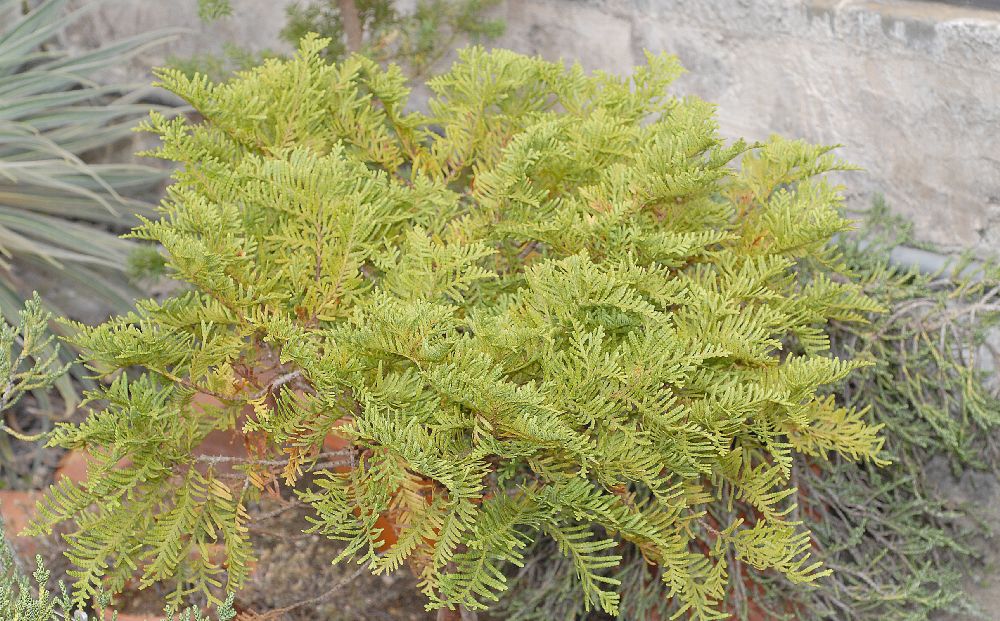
(901,542)
(551,307)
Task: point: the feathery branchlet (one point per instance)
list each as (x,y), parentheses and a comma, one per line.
(552,306)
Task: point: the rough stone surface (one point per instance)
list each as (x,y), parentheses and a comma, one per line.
(978,493)
(256,24)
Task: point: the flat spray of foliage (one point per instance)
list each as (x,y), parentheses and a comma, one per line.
(553,308)
(29,363)
(899,542)
(24,599)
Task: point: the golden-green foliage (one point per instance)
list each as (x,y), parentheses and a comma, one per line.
(552,307)
(900,543)
(28,359)
(22,600)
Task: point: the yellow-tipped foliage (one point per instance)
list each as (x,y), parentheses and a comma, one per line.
(553,306)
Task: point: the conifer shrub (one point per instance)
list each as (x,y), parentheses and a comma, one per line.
(29,362)
(555,307)
(902,544)
(907,542)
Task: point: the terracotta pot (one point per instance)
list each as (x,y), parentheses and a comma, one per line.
(390,531)
(17,508)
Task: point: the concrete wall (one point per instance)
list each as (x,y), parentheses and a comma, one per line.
(256,24)
(911,89)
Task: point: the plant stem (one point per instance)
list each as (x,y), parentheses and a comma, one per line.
(351,21)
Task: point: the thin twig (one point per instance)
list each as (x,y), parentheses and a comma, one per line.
(218,459)
(277,383)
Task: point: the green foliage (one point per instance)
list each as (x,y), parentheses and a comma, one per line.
(29,361)
(414,39)
(898,539)
(211,10)
(20,601)
(905,540)
(553,308)
(57,212)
